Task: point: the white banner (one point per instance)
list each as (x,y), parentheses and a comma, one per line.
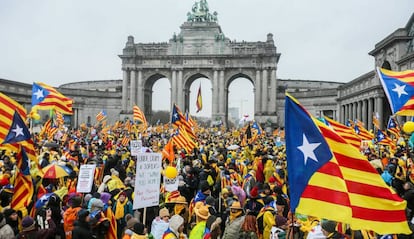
(147,180)
(171,184)
(85,178)
(136,146)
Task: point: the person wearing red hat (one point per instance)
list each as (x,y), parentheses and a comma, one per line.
(122,207)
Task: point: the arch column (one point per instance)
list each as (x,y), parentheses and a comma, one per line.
(273,92)
(264,91)
(257,94)
(125,78)
(180,91)
(173,88)
(222,99)
(215,95)
(140,93)
(133,90)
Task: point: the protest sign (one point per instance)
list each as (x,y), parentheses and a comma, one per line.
(147,180)
(85,179)
(136,146)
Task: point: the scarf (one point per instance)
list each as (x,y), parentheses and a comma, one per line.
(234,215)
(178,208)
(119,210)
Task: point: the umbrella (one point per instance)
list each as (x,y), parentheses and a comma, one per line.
(43,200)
(233,147)
(54,171)
(51,145)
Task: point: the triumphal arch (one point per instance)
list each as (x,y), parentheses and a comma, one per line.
(200,49)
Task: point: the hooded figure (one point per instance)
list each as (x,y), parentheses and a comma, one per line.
(5,229)
(175,228)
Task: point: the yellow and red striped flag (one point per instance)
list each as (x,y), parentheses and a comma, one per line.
(23,184)
(399,89)
(324,170)
(101,116)
(45,97)
(345,132)
(125,141)
(199,102)
(138,114)
(111,234)
(60,121)
(8,107)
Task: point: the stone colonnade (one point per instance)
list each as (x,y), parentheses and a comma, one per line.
(265,90)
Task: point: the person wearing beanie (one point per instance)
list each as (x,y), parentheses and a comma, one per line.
(234,221)
(160,224)
(329,230)
(104,185)
(29,229)
(12,218)
(121,208)
(5,229)
(69,216)
(175,228)
(82,228)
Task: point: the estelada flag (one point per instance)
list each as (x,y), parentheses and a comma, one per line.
(330,179)
(399,88)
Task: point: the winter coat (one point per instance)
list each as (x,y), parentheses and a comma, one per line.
(82,230)
(158,227)
(6,231)
(232,230)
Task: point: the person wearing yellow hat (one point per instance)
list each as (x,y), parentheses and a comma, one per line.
(202,215)
(234,222)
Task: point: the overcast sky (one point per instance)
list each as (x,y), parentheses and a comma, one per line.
(64,41)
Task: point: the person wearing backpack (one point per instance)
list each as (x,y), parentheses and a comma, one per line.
(266,219)
(70,216)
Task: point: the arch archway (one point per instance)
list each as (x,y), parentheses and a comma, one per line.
(161,99)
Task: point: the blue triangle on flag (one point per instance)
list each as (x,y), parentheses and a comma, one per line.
(38,94)
(18,130)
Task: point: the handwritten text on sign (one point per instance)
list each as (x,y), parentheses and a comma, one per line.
(147,180)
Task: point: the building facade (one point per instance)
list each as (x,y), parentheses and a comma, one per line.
(201,50)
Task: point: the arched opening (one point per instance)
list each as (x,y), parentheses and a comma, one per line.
(192,86)
(157,99)
(386,65)
(240,101)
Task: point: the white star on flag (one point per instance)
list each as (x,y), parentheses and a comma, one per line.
(400,89)
(18,131)
(308,149)
(39,94)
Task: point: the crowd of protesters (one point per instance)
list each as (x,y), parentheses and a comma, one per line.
(224,192)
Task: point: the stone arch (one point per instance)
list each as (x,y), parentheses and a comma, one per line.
(188,80)
(148,90)
(232,76)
